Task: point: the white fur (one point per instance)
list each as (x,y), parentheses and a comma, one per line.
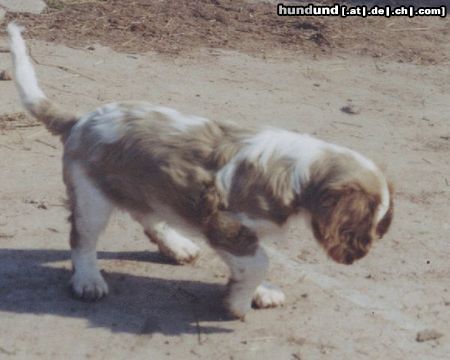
(141,109)
(107,122)
(224,178)
(164,213)
(174,245)
(180,121)
(169,241)
(384,206)
(92,213)
(267,296)
(25,75)
(87,281)
(370,165)
(247,273)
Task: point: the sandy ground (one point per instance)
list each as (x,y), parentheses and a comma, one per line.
(156,310)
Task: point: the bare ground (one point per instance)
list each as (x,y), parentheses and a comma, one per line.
(373,309)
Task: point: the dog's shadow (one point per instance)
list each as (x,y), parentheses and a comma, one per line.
(31,284)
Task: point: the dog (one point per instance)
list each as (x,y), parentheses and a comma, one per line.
(228,184)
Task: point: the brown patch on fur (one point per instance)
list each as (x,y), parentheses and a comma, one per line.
(71,206)
(264,193)
(57,121)
(261,193)
(228,145)
(152,163)
(343,198)
(175,168)
(226,232)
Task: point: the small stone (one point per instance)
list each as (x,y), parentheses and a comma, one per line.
(5,75)
(350,109)
(427,335)
(42,206)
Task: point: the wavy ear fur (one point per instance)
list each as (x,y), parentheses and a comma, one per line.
(343,198)
(342,221)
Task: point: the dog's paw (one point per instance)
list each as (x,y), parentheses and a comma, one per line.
(180,249)
(238,301)
(237,308)
(89,287)
(268,296)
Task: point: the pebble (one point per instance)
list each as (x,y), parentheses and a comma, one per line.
(350,109)
(5,75)
(427,335)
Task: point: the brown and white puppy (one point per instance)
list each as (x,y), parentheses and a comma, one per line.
(167,169)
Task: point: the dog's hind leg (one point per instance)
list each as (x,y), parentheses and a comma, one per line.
(91,211)
(169,241)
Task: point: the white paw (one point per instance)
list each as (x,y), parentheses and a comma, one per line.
(89,286)
(180,249)
(267,296)
(237,308)
(238,302)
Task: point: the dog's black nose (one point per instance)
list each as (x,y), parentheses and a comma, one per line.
(349,258)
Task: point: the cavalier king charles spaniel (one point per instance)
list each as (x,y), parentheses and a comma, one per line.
(175,173)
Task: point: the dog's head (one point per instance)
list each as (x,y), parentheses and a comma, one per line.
(350,208)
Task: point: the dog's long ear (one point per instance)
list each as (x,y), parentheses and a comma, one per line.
(342,221)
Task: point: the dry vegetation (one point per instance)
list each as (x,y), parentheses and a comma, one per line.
(175,26)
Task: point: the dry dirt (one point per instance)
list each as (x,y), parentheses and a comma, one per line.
(392,75)
(177,26)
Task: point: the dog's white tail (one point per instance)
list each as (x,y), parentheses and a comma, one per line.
(56,121)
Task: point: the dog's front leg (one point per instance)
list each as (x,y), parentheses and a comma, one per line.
(170,243)
(239,247)
(247,273)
